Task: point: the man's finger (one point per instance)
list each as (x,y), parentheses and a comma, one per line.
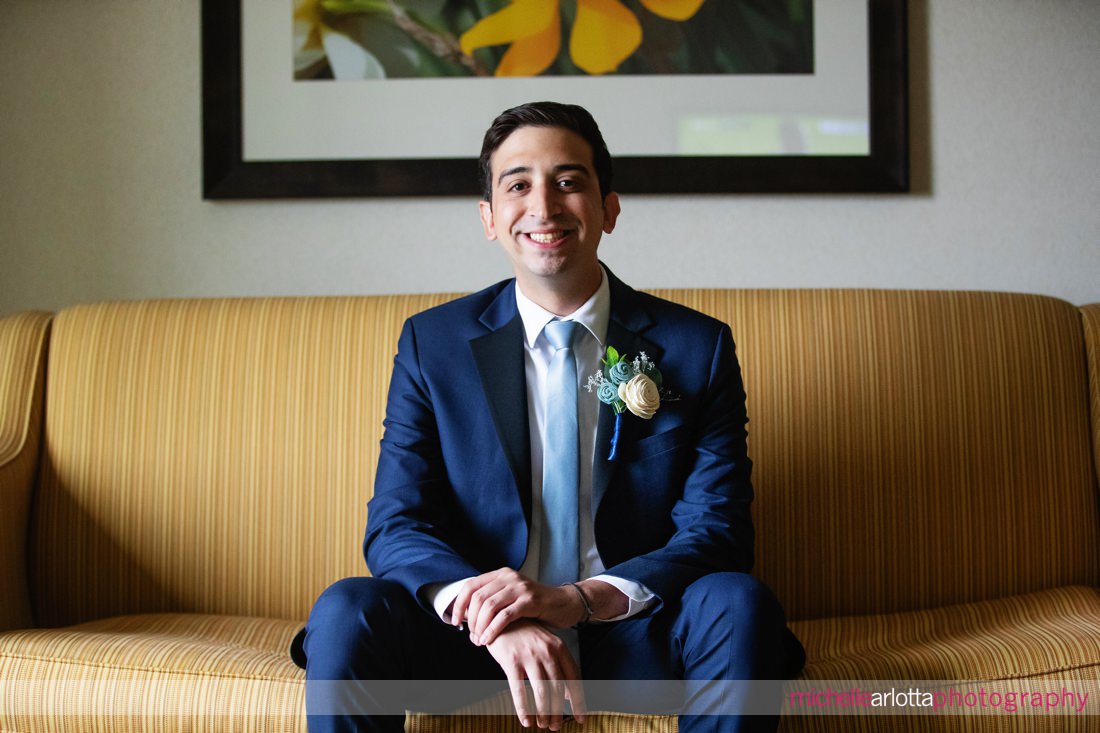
(574,687)
(484,607)
(574,691)
(500,622)
(473,603)
(462,602)
(540,690)
(460,607)
(519,698)
(557,704)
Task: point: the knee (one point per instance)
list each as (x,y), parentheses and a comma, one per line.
(349,618)
(353,602)
(733,619)
(739,594)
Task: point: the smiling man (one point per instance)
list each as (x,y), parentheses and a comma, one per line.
(524,528)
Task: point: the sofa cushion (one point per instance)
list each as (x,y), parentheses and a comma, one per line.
(1048,633)
(217,456)
(504,720)
(201,672)
(164,672)
(913,449)
(209,455)
(1036,642)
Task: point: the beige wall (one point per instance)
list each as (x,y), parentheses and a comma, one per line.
(100,169)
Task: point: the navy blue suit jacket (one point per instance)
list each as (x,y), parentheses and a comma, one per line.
(452,495)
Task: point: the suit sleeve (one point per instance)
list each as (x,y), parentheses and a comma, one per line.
(407,517)
(712,527)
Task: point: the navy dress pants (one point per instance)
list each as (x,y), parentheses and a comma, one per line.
(726,626)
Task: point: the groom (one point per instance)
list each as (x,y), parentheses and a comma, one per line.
(525,528)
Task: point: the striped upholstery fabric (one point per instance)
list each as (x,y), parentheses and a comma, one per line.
(913,449)
(926,490)
(502,720)
(22,370)
(1017,643)
(981,640)
(172,672)
(209,456)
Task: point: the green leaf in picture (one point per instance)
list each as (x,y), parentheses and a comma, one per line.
(423,8)
(355,6)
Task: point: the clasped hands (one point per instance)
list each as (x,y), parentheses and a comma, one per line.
(512,616)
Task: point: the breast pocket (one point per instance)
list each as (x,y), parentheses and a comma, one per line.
(655,445)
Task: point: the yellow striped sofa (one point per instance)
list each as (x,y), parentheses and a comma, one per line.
(180,479)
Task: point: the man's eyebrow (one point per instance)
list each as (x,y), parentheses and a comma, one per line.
(557,169)
(512,172)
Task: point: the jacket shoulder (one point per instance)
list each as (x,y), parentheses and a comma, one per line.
(456,313)
(689,322)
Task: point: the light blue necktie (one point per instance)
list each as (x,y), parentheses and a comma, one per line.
(561,460)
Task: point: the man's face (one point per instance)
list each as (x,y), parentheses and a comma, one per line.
(547,212)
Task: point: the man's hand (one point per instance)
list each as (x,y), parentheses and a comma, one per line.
(529,652)
(491,602)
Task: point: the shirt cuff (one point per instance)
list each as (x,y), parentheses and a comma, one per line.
(442,595)
(638,596)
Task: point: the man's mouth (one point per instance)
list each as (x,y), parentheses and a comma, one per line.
(545,237)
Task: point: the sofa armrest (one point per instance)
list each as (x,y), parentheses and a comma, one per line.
(22,376)
(1090,314)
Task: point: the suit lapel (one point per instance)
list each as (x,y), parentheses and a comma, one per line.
(629,320)
(499,359)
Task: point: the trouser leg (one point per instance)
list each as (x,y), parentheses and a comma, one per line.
(366,630)
(725,627)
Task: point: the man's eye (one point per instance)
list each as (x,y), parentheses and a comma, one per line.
(567,183)
(518,186)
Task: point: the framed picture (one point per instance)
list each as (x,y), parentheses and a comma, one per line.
(344,98)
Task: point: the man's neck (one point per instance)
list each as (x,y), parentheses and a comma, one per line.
(561,296)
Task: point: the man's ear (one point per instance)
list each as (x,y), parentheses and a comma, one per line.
(487,223)
(611,211)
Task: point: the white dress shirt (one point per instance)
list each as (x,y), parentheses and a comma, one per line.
(588,349)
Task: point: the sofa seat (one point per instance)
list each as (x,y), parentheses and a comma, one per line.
(160,672)
(1053,633)
(1035,642)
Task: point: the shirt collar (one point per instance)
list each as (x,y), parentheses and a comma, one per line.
(593,315)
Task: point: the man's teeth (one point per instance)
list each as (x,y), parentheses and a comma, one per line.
(545,237)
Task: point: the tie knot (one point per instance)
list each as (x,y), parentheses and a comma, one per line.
(560,334)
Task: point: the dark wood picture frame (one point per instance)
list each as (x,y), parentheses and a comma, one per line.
(226,175)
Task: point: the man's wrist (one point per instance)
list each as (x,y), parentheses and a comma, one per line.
(586,612)
(605,600)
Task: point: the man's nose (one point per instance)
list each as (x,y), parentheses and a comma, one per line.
(544,202)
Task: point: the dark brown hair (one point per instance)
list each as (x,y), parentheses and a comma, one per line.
(545,114)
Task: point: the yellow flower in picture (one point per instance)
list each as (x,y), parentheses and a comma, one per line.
(605,33)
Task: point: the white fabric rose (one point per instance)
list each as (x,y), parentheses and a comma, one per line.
(641,396)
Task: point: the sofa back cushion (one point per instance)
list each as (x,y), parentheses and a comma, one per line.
(910,449)
(209,455)
(914,449)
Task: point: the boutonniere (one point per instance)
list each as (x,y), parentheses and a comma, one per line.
(633,385)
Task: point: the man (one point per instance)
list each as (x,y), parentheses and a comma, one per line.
(511,505)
